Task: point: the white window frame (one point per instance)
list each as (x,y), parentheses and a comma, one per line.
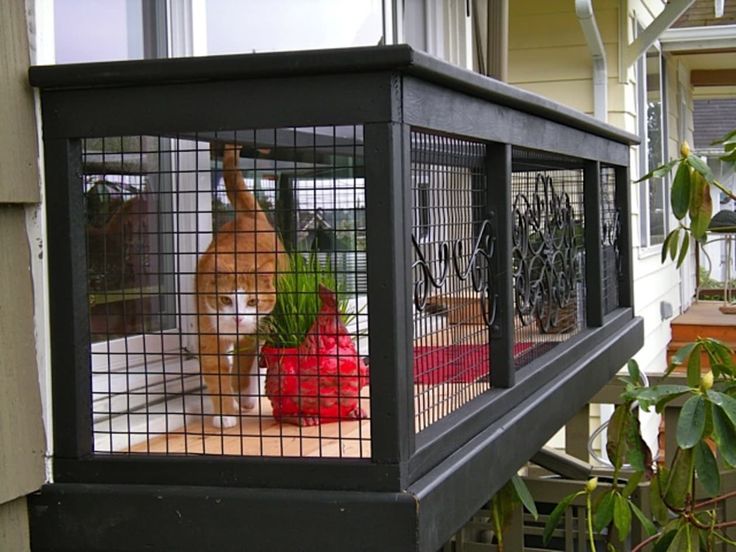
(644,164)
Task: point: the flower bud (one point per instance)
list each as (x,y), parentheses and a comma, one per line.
(706,381)
(591,485)
(684,149)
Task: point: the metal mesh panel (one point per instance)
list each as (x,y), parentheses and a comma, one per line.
(451,248)
(208,330)
(610,231)
(547,250)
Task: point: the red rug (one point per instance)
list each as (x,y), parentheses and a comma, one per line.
(454,363)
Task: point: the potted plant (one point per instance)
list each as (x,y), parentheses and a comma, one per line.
(313,371)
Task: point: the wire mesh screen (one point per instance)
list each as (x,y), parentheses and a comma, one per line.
(610,231)
(227,293)
(451,248)
(547,250)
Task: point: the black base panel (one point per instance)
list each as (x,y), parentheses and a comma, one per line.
(125,518)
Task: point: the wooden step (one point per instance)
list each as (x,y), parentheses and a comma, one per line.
(690,332)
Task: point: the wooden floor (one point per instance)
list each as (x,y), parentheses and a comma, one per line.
(259,434)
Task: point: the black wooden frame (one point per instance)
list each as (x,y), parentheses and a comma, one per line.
(388,90)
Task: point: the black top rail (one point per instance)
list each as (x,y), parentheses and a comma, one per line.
(401,58)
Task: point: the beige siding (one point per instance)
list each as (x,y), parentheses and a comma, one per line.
(18,169)
(548,53)
(14,527)
(21,427)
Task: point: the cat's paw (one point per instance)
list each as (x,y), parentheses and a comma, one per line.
(224,422)
(247,403)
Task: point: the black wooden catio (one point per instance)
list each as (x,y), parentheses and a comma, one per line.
(479,236)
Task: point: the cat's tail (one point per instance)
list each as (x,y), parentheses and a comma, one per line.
(240,197)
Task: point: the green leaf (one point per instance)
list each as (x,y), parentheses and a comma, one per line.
(691,422)
(707,469)
(683,249)
(663,543)
(621,516)
(673,244)
(646,523)
(693,366)
(660,394)
(724,434)
(722,353)
(638,453)
(667,243)
(631,484)
(726,138)
(681,541)
(502,508)
(725,403)
(604,512)
(681,356)
(701,206)
(616,447)
(660,171)
(658,507)
(680,479)
(634,371)
(701,167)
(680,192)
(730,157)
(554,517)
(524,495)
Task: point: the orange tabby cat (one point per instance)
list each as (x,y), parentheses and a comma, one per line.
(235,289)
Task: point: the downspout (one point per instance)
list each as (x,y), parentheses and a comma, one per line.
(584,12)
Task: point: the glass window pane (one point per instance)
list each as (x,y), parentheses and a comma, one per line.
(656,197)
(129,240)
(98,30)
(248,26)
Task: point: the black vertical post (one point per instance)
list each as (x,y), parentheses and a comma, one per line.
(623,205)
(498,170)
(71,372)
(593,244)
(387,167)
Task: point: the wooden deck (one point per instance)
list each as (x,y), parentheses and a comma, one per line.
(259,434)
(702,319)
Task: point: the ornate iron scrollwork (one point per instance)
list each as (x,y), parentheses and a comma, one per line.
(610,233)
(451,255)
(545,254)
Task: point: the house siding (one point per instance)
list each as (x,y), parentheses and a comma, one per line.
(14,535)
(702,14)
(713,119)
(21,427)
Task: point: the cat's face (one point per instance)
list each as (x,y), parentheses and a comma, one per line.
(239,311)
(237,305)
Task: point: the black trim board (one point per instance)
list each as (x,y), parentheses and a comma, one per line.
(168,109)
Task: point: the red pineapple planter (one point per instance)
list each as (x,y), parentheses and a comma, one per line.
(319,381)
